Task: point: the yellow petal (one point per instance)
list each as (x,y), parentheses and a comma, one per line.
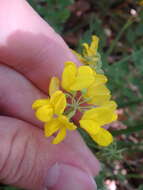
(98,94)
(85,70)
(97,90)
(65,123)
(60,136)
(100,115)
(94,43)
(70,63)
(38,103)
(99,79)
(106,116)
(70,126)
(89,114)
(68,75)
(99,99)
(90,51)
(103,137)
(51,127)
(110,105)
(84,78)
(90,126)
(44,113)
(54,85)
(58,101)
(86,49)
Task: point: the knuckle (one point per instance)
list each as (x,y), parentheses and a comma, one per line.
(16,159)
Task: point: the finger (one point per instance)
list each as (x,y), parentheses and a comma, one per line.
(37,52)
(29,44)
(29,161)
(16,97)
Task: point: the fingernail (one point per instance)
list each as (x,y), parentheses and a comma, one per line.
(67,177)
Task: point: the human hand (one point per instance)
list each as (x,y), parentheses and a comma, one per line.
(30,53)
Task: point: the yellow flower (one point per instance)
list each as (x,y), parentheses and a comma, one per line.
(74,79)
(55,112)
(60,124)
(92,49)
(89,54)
(51,111)
(97,92)
(103,137)
(102,115)
(93,120)
(46,108)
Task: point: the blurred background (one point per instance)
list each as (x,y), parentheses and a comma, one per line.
(119,25)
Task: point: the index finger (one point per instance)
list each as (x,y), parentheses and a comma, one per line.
(30,45)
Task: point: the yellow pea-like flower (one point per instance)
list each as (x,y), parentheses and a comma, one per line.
(90,126)
(74,79)
(89,54)
(102,115)
(91,50)
(103,137)
(45,113)
(50,111)
(58,102)
(60,125)
(94,119)
(97,95)
(46,108)
(39,103)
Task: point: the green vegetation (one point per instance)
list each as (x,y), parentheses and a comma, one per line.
(119,25)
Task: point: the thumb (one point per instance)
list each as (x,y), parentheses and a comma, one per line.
(29,161)
(30,45)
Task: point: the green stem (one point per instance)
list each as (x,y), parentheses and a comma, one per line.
(71,114)
(127,24)
(85,101)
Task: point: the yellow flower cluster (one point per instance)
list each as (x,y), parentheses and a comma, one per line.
(85,91)
(50,111)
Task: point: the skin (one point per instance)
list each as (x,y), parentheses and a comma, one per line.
(30,53)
